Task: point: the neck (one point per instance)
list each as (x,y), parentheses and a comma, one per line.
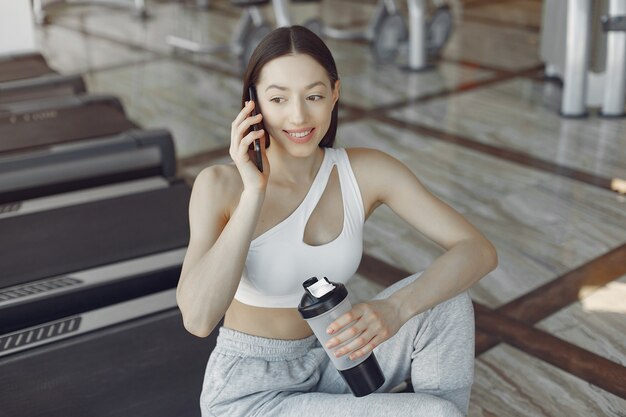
(292,170)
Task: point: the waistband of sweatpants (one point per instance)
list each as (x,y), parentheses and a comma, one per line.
(236,343)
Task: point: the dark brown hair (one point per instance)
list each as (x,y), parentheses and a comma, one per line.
(290,41)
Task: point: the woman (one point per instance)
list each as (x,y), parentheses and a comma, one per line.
(256,236)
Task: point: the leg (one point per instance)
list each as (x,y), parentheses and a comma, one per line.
(315,404)
(253,376)
(434,348)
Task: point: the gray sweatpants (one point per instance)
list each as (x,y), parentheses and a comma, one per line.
(254,376)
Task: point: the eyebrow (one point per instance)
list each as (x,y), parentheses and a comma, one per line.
(308,87)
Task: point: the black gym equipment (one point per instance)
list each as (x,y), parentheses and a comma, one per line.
(30,124)
(89,163)
(51,85)
(23,65)
(27,76)
(63,261)
(132,359)
(89,247)
(88,317)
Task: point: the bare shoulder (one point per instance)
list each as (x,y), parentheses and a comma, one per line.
(218,186)
(374,171)
(367,159)
(374,167)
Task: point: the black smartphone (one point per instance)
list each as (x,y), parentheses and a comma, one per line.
(257,142)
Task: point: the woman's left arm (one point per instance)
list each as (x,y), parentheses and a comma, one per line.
(469,256)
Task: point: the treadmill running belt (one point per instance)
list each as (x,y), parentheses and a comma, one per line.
(24,66)
(83,236)
(45,127)
(147,367)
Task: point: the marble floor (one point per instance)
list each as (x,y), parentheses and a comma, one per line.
(480,129)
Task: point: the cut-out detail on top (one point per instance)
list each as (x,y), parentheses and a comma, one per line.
(320,211)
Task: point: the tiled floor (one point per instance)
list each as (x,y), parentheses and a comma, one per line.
(481,130)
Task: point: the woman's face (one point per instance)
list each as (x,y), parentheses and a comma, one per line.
(296,100)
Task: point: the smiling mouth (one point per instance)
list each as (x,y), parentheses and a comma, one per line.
(302,136)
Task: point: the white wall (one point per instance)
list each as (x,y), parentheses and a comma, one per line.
(16,26)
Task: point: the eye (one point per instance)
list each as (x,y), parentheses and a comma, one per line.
(277,99)
(315,97)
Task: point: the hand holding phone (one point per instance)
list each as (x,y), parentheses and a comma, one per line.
(256,127)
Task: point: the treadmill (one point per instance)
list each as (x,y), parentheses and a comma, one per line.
(35,123)
(88,317)
(135,154)
(89,224)
(28,77)
(23,65)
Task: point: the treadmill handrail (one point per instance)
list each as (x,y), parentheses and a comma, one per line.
(79,169)
(48,81)
(22,55)
(130,151)
(60,103)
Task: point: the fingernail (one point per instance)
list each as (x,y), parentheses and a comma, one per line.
(329,331)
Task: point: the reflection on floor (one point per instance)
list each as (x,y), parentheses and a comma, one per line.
(480,129)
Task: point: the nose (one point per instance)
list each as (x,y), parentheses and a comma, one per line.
(298,112)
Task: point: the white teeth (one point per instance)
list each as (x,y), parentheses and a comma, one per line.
(300,135)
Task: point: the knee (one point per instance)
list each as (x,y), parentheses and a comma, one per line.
(458,311)
(448,409)
(454,324)
(441,407)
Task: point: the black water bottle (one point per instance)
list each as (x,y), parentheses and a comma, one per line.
(322,303)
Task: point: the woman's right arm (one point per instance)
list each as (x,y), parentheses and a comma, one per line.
(219,240)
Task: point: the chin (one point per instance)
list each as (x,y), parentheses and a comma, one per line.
(300,151)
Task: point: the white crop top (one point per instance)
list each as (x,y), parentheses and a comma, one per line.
(279,261)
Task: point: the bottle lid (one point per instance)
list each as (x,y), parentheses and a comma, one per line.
(320,288)
(320,296)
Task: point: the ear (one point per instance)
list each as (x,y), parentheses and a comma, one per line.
(336,92)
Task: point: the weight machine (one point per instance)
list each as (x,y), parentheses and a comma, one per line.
(388,32)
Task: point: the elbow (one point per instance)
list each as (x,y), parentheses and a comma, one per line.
(490,256)
(196,328)
(192,323)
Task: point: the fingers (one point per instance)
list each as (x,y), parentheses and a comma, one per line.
(368,331)
(343,321)
(240,152)
(249,139)
(241,139)
(362,344)
(243,122)
(243,113)
(241,134)
(365,343)
(367,348)
(247,124)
